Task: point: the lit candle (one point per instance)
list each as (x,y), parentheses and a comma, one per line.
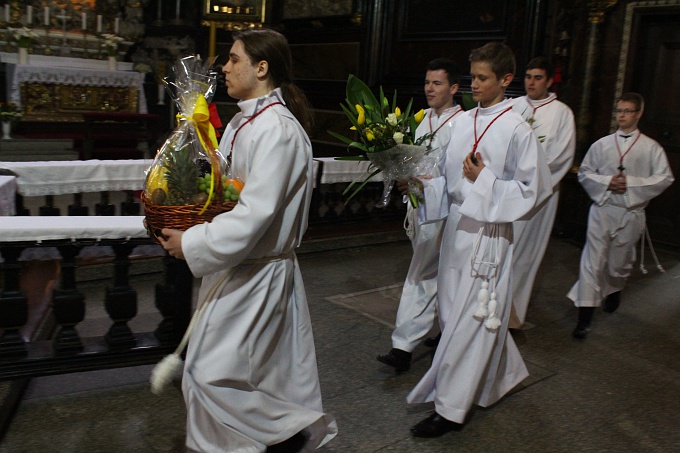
(7,12)
(116,25)
(29,14)
(84,17)
(47,16)
(99,23)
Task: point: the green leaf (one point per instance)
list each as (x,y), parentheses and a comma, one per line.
(359,93)
(351,158)
(359,146)
(368,178)
(468,102)
(349,141)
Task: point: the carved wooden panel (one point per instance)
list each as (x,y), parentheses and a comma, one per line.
(55,102)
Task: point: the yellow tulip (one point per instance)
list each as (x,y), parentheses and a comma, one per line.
(369,135)
(353,128)
(419,116)
(361,119)
(397,112)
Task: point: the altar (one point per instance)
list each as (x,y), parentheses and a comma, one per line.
(53,88)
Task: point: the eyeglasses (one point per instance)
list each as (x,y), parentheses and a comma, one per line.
(626,111)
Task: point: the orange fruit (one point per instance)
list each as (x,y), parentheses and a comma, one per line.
(238,185)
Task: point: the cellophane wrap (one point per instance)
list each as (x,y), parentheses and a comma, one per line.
(403,162)
(188,168)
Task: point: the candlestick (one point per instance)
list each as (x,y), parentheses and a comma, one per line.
(47,16)
(99,23)
(7,12)
(116,25)
(29,14)
(160,10)
(177,8)
(84,19)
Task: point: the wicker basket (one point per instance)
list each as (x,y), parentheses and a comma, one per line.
(179,217)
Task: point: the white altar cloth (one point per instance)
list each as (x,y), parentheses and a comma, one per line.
(8,187)
(12,58)
(337,171)
(27,229)
(75,76)
(65,177)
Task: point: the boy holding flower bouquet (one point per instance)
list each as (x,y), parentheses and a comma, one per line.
(416,312)
(494,173)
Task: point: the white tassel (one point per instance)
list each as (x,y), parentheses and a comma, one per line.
(492,322)
(162,373)
(646,236)
(483,300)
(410,221)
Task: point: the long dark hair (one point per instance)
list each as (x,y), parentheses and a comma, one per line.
(271,46)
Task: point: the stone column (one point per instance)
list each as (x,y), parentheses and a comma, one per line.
(596,10)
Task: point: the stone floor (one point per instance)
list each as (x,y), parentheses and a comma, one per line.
(617,391)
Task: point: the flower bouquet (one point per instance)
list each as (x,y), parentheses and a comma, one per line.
(188,181)
(111,43)
(386,137)
(23,36)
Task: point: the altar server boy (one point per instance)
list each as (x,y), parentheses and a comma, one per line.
(621,173)
(553,124)
(494,174)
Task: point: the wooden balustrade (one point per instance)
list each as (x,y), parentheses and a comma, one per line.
(66,351)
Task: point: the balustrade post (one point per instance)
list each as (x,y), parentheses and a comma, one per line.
(77,208)
(121,300)
(13,306)
(49,209)
(68,304)
(173,300)
(20,208)
(104,207)
(130,206)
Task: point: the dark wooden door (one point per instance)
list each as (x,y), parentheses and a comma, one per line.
(654,65)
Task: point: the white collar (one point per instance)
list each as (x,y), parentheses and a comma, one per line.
(496,108)
(250,107)
(538,102)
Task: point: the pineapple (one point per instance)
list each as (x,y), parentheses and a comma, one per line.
(181,174)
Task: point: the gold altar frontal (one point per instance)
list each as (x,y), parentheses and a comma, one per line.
(66,103)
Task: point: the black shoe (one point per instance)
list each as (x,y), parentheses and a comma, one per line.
(581,331)
(434,426)
(291,445)
(585,315)
(432,342)
(397,359)
(611,303)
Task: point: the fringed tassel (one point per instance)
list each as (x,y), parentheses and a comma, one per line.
(162,373)
(483,301)
(487,309)
(492,321)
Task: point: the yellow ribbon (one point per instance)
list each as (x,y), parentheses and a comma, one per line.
(201,117)
(205,129)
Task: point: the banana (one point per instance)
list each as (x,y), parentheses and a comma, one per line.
(156,179)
